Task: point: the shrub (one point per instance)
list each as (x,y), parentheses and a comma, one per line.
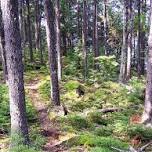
(108,67)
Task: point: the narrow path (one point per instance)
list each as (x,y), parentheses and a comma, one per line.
(50,131)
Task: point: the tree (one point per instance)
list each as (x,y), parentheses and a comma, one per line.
(58,37)
(147,115)
(2,48)
(37,24)
(50,31)
(106,27)
(84,40)
(95,34)
(122,75)
(139,39)
(15,69)
(29,31)
(129,42)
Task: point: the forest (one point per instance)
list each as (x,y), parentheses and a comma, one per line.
(75,75)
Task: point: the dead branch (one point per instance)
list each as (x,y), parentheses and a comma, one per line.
(110,110)
(131,149)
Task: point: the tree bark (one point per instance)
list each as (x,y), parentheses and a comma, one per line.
(50,31)
(15,69)
(122,75)
(58,38)
(143,38)
(139,39)
(106,27)
(78,19)
(29,31)
(95,36)
(147,115)
(129,43)
(84,40)
(2,48)
(37,24)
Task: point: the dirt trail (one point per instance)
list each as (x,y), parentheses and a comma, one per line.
(50,131)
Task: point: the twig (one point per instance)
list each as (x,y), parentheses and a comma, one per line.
(119,150)
(110,110)
(145,146)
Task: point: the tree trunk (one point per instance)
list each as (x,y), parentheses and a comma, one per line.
(15,70)
(95,35)
(20,5)
(122,75)
(78,19)
(106,27)
(129,43)
(147,115)
(2,48)
(143,39)
(37,25)
(58,38)
(139,39)
(84,40)
(29,31)
(50,31)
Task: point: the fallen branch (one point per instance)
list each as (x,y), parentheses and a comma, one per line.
(131,149)
(119,150)
(110,110)
(145,146)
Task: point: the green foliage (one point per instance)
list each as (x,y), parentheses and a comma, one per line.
(138,86)
(108,67)
(44,89)
(97,141)
(100,149)
(36,138)
(141,131)
(103,131)
(71,85)
(73,64)
(96,117)
(23,148)
(76,122)
(4,112)
(18,144)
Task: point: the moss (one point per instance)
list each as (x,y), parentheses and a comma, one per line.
(141,131)
(97,141)
(44,89)
(96,117)
(103,131)
(77,122)
(100,149)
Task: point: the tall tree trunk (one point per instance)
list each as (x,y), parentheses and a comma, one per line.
(143,39)
(64,37)
(122,75)
(95,35)
(50,31)
(58,38)
(2,48)
(129,43)
(37,24)
(139,39)
(20,6)
(15,69)
(147,115)
(106,27)
(38,28)
(78,19)
(84,40)
(29,31)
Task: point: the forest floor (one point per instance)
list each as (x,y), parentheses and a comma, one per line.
(86,128)
(49,130)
